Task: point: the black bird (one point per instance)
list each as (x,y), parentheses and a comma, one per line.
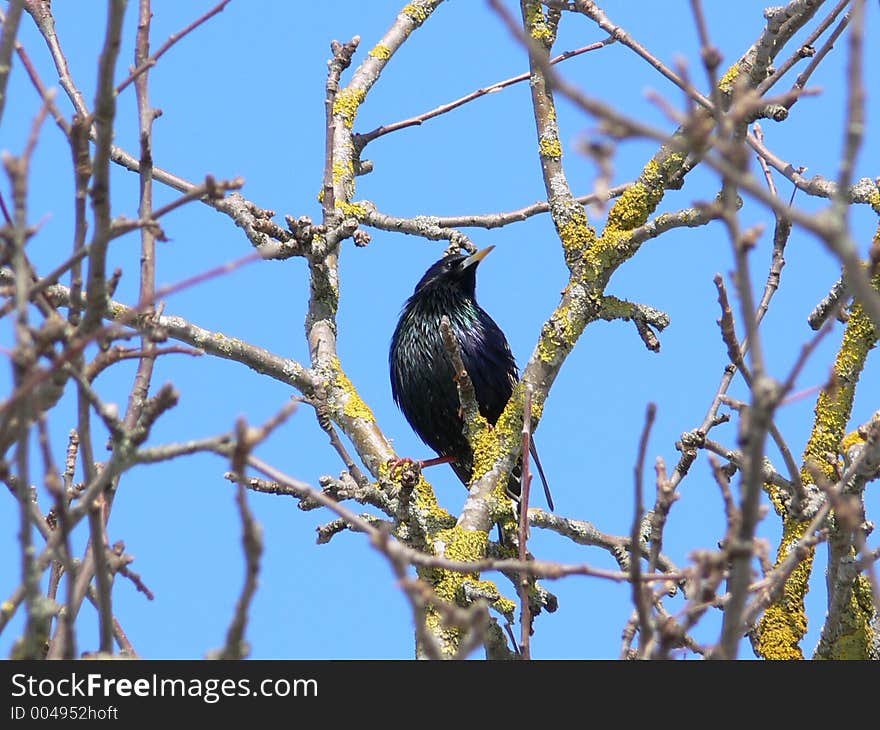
(422,375)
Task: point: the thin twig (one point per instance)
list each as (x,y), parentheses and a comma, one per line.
(252,542)
(640,598)
(362,140)
(147,63)
(7,43)
(525,484)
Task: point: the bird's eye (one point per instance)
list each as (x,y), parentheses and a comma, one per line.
(450,264)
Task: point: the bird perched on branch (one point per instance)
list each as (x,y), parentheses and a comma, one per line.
(422,374)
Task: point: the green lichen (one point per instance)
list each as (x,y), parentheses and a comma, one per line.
(558,336)
(500,603)
(855,637)
(347,103)
(325,291)
(668,169)
(417,12)
(381,52)
(614,308)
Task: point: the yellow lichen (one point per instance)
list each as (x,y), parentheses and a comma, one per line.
(853,438)
(449,638)
(547,351)
(537,407)
(351,210)
(342,170)
(464,545)
(505,607)
(537,24)
(610,249)
(347,103)
(558,335)
(725,85)
(381,52)
(500,603)
(426,502)
(460,545)
(577,235)
(834,406)
(636,204)
(416,12)
(353,405)
(855,637)
(669,168)
(550,148)
(424,499)
(784,622)
(487,450)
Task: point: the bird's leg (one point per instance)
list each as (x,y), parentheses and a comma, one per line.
(437,460)
(406,471)
(404,461)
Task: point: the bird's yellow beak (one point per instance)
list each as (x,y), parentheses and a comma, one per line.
(475,258)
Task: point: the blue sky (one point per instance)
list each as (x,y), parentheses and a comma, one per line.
(244,95)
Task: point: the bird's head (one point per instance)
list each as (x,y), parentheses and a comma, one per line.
(456,272)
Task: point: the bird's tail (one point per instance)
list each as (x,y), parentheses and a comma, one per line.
(533,450)
(514,486)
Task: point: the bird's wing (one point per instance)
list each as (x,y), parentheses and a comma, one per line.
(490,365)
(494,374)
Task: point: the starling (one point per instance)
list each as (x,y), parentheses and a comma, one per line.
(423,377)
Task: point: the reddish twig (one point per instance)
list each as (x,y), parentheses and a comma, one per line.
(525,484)
(145,65)
(640,594)
(364,139)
